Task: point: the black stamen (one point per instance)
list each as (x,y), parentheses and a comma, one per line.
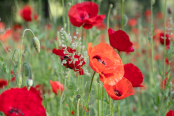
(117,93)
(99,60)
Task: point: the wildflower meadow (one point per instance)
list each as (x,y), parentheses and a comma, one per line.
(86,58)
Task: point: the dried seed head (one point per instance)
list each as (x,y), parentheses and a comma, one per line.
(36,44)
(78,96)
(169,10)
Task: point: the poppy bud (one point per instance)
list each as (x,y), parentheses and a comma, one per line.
(111,5)
(29,82)
(152,2)
(78,96)
(172,95)
(125,20)
(36,44)
(169,10)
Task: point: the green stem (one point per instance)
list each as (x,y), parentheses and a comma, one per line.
(112,108)
(63,14)
(122,13)
(89,93)
(19,82)
(78,106)
(102,100)
(98,98)
(127,100)
(152,52)
(10,66)
(118,109)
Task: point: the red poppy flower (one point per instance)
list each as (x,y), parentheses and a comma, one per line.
(159,15)
(21,102)
(133,74)
(132,22)
(120,90)
(72,113)
(104,60)
(13,79)
(40,88)
(165,82)
(147,13)
(170,113)
(3,82)
(120,40)
(28,13)
(71,57)
(166,38)
(85,14)
(6,35)
(101,27)
(56,86)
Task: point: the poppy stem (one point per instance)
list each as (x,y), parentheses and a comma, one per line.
(102,100)
(118,109)
(127,101)
(10,66)
(122,12)
(63,14)
(89,93)
(112,108)
(152,53)
(98,97)
(78,106)
(19,78)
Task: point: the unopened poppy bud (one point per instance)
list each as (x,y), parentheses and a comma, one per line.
(111,5)
(153,2)
(29,82)
(172,95)
(78,96)
(125,20)
(169,10)
(36,44)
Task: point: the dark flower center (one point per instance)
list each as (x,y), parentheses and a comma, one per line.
(66,58)
(117,93)
(99,60)
(16,111)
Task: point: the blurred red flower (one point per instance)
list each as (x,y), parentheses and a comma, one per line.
(165,82)
(147,13)
(170,113)
(101,27)
(40,88)
(21,102)
(120,90)
(120,40)
(104,60)
(133,74)
(166,38)
(159,15)
(72,58)
(28,13)
(56,86)
(3,82)
(85,14)
(72,113)
(13,79)
(5,35)
(132,22)
(16,32)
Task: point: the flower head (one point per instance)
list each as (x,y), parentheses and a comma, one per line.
(3,82)
(56,86)
(120,90)
(132,22)
(170,113)
(28,13)
(133,74)
(85,14)
(21,102)
(120,40)
(166,38)
(104,60)
(73,60)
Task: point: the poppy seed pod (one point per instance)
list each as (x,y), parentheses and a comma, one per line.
(125,20)
(29,82)
(36,44)
(152,2)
